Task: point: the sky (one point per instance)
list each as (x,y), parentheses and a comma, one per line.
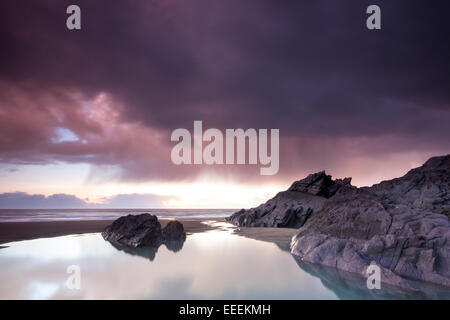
(86,115)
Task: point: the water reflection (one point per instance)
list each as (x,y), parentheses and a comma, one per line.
(346,285)
(351,286)
(209,265)
(148,252)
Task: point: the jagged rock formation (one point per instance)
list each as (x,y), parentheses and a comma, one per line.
(144,230)
(291,208)
(424,188)
(319,184)
(402,225)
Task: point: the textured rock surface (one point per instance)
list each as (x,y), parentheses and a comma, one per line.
(402,225)
(319,184)
(135,231)
(174,231)
(425,188)
(291,208)
(144,230)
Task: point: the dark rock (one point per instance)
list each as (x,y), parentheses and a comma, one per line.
(423,188)
(291,208)
(286,210)
(174,231)
(319,184)
(408,237)
(135,231)
(402,225)
(142,235)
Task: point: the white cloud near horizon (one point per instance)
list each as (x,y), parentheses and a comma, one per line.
(23,200)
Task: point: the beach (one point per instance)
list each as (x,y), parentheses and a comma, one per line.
(218,260)
(17,231)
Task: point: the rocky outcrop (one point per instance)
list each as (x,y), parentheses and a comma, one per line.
(174,235)
(355,229)
(402,225)
(135,231)
(174,231)
(144,230)
(319,184)
(424,188)
(291,208)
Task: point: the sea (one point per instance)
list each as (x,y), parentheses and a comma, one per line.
(32,215)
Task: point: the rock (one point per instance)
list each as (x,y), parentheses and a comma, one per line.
(291,208)
(144,230)
(174,231)
(402,225)
(408,237)
(286,210)
(424,188)
(319,184)
(135,231)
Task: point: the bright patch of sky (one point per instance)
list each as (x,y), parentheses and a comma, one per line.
(75,179)
(64,134)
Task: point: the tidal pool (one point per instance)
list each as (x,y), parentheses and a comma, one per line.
(210,265)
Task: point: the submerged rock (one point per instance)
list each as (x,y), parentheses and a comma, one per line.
(144,230)
(402,225)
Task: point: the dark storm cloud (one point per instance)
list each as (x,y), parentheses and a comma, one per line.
(311,68)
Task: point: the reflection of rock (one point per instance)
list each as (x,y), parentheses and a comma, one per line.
(145,252)
(142,235)
(174,245)
(352,286)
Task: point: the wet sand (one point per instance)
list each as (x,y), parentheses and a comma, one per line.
(280,236)
(16,231)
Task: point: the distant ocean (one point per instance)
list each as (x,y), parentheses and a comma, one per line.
(28,215)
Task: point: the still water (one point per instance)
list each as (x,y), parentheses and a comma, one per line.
(210,265)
